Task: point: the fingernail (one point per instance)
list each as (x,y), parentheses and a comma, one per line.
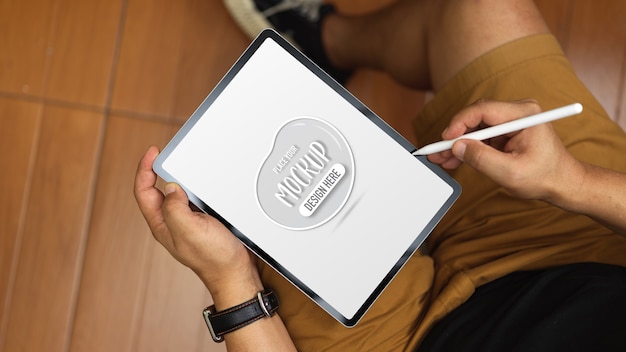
(170,188)
(459,149)
(444,132)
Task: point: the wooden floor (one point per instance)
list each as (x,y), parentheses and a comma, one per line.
(85,88)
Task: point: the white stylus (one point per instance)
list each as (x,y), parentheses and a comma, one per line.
(504,128)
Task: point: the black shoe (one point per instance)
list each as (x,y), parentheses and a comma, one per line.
(300,21)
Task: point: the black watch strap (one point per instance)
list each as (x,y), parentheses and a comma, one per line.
(221,323)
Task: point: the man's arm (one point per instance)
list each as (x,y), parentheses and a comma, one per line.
(601,195)
(534,164)
(203,244)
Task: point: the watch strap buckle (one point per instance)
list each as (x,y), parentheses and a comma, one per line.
(207,319)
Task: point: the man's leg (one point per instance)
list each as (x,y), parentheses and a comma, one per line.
(420,43)
(488,233)
(424,43)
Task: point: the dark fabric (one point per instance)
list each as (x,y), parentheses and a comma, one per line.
(306,33)
(577,307)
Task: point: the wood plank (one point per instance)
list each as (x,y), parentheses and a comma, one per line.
(82,50)
(142,292)
(172,309)
(21,121)
(149,56)
(596,47)
(210,45)
(119,242)
(54,232)
(24,41)
(157,78)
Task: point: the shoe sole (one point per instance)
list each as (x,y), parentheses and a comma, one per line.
(247,16)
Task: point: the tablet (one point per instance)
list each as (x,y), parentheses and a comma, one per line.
(307,177)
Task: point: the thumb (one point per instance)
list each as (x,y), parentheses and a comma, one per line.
(481,157)
(176,205)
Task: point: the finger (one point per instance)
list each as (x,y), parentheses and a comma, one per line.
(451,164)
(482,157)
(176,211)
(445,159)
(189,229)
(489,113)
(148,197)
(441,157)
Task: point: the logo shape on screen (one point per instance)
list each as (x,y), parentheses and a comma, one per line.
(308,175)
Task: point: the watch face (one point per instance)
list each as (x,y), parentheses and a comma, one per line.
(307,176)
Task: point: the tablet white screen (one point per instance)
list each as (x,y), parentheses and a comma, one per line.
(305,176)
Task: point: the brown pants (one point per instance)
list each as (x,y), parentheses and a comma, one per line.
(487,234)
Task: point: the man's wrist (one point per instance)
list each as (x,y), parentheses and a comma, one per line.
(569,190)
(233,289)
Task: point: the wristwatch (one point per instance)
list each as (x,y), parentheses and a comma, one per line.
(265,304)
